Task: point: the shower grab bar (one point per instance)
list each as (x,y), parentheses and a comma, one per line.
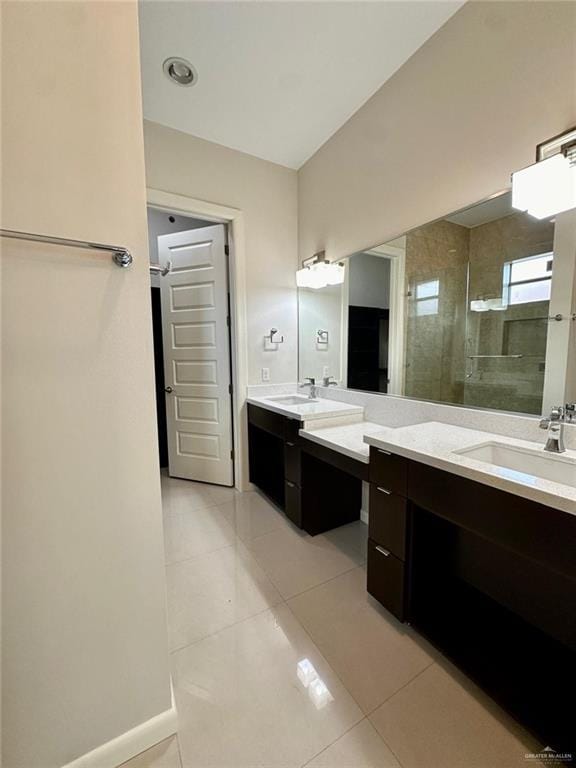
(120,256)
(484,357)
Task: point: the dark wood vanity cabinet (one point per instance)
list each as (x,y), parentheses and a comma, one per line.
(274,458)
(318,488)
(488,577)
(388,532)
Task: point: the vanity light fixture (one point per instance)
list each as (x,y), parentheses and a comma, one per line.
(316,272)
(549,186)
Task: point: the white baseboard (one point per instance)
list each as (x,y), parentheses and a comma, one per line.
(131,743)
(364,516)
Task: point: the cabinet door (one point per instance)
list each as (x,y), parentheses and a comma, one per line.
(386,579)
(293,503)
(292,462)
(266,457)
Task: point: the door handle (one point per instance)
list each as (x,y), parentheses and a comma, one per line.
(169,390)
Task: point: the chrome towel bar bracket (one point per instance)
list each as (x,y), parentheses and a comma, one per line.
(120,256)
(158,269)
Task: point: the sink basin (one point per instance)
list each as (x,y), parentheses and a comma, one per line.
(523,464)
(292,400)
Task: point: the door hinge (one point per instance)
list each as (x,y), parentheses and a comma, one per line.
(232,453)
(227,250)
(230,388)
(228,320)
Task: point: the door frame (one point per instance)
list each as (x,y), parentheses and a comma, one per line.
(395,252)
(234,218)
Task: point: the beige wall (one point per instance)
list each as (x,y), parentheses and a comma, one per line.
(447,129)
(84,645)
(320,309)
(266,194)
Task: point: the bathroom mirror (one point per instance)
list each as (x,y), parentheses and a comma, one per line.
(456,311)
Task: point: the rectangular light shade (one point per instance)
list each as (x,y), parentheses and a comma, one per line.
(545,188)
(320,275)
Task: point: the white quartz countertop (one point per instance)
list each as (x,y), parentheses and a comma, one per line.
(434,444)
(347,438)
(308,411)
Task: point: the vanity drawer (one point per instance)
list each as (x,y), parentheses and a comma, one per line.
(388,471)
(292,462)
(388,520)
(386,579)
(267,420)
(293,503)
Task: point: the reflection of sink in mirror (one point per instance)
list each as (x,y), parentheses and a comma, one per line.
(292,400)
(524,463)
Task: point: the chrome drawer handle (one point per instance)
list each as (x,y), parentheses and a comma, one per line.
(384,490)
(290,444)
(383,551)
(290,485)
(386,453)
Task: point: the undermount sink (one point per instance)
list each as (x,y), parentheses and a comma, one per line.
(292,400)
(523,464)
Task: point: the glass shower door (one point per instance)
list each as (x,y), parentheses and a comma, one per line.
(507,324)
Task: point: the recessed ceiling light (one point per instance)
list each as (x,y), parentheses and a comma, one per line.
(180,71)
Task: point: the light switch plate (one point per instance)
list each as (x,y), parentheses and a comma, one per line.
(265,374)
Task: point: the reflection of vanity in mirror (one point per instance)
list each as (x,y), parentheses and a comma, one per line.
(456,311)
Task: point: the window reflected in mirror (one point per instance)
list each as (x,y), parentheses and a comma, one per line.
(456,311)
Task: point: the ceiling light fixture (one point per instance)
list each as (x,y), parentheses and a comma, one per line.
(180,71)
(317,273)
(549,186)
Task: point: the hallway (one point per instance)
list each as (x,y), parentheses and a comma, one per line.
(281,658)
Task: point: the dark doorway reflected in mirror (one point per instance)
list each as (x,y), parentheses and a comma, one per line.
(368,329)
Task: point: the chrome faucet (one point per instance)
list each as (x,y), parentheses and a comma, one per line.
(328,382)
(310,382)
(554,423)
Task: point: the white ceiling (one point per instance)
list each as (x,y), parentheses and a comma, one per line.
(277,79)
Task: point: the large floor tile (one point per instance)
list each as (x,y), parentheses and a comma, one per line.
(166,754)
(440,720)
(258,694)
(214,591)
(185,496)
(360,747)
(221,494)
(351,539)
(252,515)
(196,532)
(295,561)
(373,654)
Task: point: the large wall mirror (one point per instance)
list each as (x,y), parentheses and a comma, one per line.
(456,311)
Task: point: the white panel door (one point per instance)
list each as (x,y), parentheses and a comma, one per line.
(194,299)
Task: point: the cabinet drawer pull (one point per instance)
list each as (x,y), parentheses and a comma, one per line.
(291,445)
(386,453)
(383,551)
(384,490)
(290,485)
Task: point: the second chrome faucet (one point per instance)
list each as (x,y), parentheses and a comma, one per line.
(554,423)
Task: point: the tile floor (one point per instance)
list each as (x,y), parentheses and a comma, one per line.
(280,658)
